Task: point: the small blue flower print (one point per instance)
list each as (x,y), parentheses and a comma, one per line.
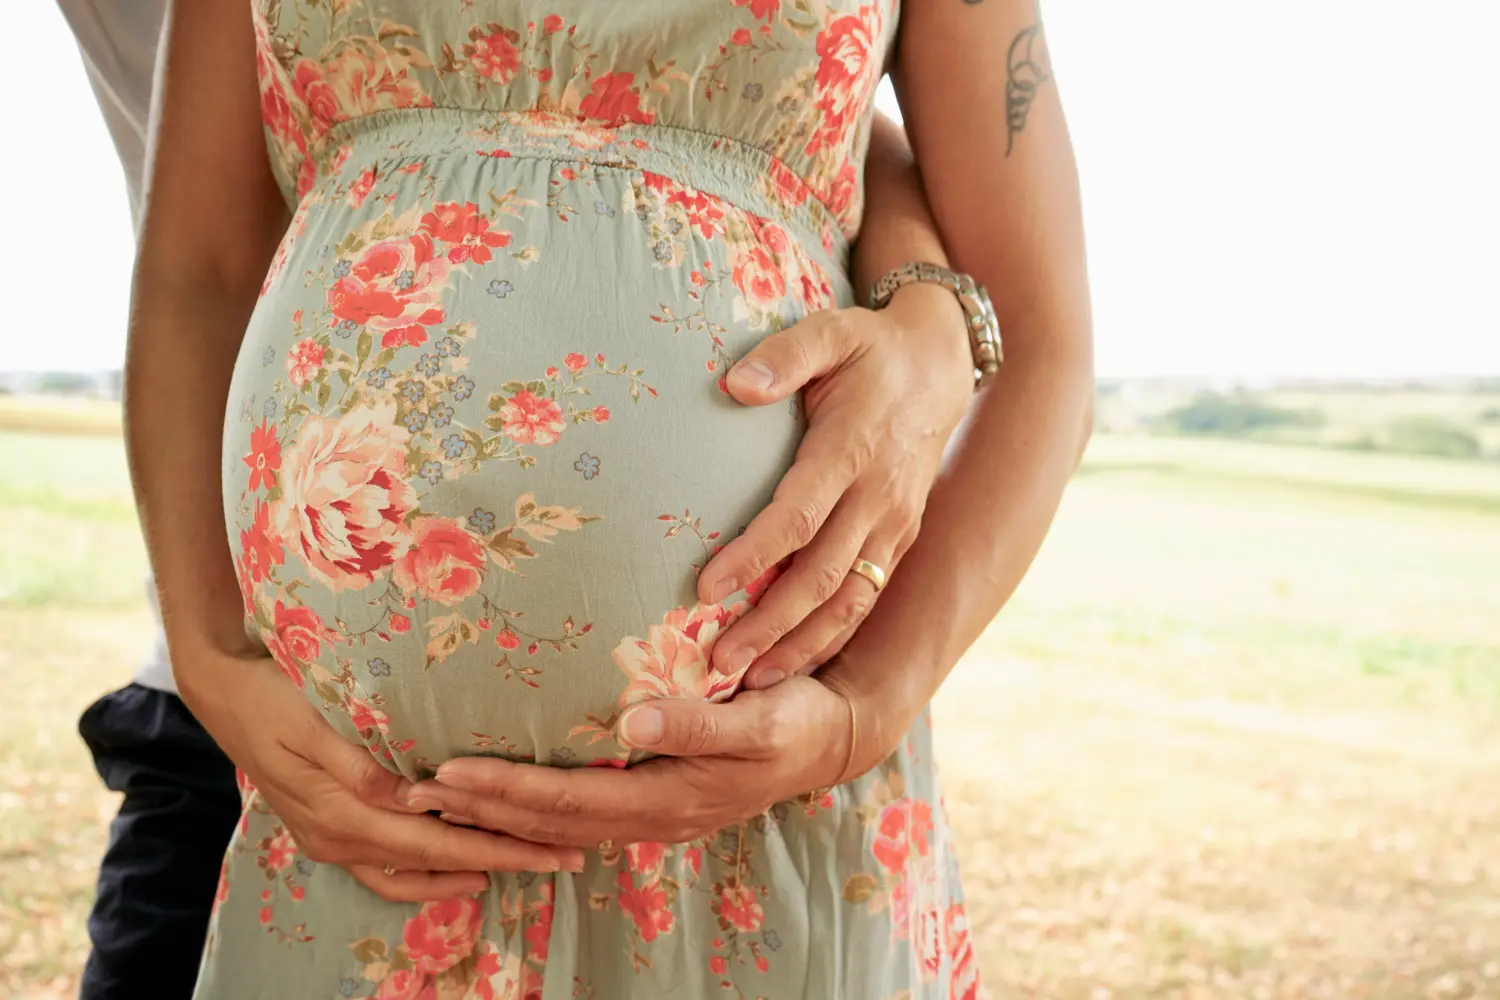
(429,364)
(753,92)
(341,268)
(729,840)
(500,288)
(463,388)
(453,445)
(306,866)
(662,251)
(406,279)
(416,420)
(604,209)
(562,755)
(378,377)
(448,347)
(588,465)
(345,328)
(432,472)
(674,226)
(269,409)
(348,987)
(413,390)
(378,667)
(442,415)
(482,521)
(771,939)
(268,357)
(323,250)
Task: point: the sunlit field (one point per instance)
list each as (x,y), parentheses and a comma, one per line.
(1237,738)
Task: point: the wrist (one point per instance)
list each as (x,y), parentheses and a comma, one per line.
(883,705)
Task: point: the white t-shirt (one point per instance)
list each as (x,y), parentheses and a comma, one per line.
(118,40)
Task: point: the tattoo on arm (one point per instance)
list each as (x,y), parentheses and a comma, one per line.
(1027,68)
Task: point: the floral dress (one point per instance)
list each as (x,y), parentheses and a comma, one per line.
(478,447)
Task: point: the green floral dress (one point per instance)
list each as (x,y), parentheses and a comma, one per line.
(478,447)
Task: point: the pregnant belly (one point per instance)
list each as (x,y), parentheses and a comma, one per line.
(478,449)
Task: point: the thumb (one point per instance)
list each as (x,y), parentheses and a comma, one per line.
(354,767)
(788,359)
(678,727)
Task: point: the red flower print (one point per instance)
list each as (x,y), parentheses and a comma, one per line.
(367,717)
(717,965)
(552,372)
(506,639)
(672,662)
(280,852)
(527,418)
(760,9)
(576,362)
(265,456)
(694,858)
(846,74)
(316,95)
(299,631)
(307,176)
(645,857)
(539,934)
(360,189)
(407,984)
(647,906)
(963,983)
(494,55)
(758,277)
(740,906)
(813,287)
(354,83)
(600,414)
(612,100)
(345,501)
(444,563)
(553,23)
(399,623)
(704,212)
(786,185)
(465,231)
(395,288)
(905,824)
(261,545)
(304,360)
(741,36)
(840,194)
(265,914)
(443,934)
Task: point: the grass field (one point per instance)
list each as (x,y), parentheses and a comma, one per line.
(1235,739)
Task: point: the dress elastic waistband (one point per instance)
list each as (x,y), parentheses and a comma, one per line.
(741,174)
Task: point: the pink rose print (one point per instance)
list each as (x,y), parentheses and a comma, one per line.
(646,906)
(600,414)
(506,639)
(761,10)
(399,623)
(281,851)
(494,55)
(758,277)
(531,419)
(741,907)
(672,662)
(304,360)
(296,639)
(344,502)
(787,186)
(845,76)
(963,983)
(814,289)
(705,213)
(466,232)
(612,100)
(395,288)
(407,984)
(539,934)
(356,82)
(361,188)
(904,824)
(444,563)
(645,857)
(265,456)
(575,362)
(840,194)
(443,934)
(367,717)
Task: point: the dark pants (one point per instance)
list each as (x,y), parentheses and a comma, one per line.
(160,872)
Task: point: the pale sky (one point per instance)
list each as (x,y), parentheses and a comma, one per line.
(1291,187)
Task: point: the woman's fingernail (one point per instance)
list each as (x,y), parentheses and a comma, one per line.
(454,779)
(768,678)
(757,374)
(455,818)
(575,865)
(723,589)
(739,661)
(424,803)
(640,727)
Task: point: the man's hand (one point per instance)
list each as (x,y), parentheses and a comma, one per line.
(740,758)
(885,391)
(339,804)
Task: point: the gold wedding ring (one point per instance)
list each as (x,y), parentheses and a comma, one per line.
(871,572)
(389,869)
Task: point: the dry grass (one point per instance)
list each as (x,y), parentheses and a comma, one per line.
(1236,739)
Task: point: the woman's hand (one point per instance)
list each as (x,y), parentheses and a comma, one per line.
(339,804)
(739,759)
(884,393)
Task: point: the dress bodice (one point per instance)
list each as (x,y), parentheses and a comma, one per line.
(794,79)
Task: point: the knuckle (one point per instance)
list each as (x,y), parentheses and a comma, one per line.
(698,733)
(853,610)
(564,803)
(827,579)
(804,518)
(775,732)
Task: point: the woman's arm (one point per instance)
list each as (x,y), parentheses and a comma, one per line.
(998,168)
(213,219)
